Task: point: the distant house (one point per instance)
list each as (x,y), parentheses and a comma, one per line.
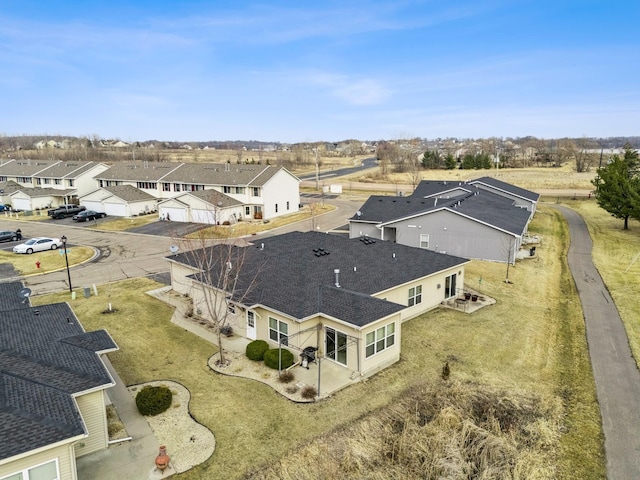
(482,219)
(202,206)
(45,183)
(119,201)
(52,388)
(263,191)
(352,294)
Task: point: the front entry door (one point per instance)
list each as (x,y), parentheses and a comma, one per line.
(251,325)
(336,346)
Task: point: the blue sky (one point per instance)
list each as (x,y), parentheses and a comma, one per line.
(293,71)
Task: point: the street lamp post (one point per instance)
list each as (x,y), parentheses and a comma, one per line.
(66,259)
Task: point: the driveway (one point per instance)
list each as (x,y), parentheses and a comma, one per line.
(614,368)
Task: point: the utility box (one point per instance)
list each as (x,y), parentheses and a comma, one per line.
(87,292)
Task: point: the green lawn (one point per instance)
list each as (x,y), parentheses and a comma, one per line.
(532,341)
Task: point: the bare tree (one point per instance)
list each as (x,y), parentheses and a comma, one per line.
(415,174)
(222,283)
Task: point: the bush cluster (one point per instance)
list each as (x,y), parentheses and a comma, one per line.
(153,400)
(256,349)
(271,358)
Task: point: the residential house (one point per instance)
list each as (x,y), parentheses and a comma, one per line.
(48,183)
(120,201)
(345,297)
(482,219)
(52,388)
(202,206)
(263,191)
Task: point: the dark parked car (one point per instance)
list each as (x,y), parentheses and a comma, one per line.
(8,236)
(88,215)
(65,211)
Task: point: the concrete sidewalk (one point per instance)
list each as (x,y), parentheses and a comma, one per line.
(614,369)
(129,460)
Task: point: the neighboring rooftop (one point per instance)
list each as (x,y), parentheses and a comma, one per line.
(46,358)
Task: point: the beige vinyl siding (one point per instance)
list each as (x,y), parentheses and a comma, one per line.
(63,453)
(92,409)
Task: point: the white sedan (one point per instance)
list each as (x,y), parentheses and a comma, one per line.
(37,244)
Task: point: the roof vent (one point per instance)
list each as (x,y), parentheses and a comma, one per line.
(337,273)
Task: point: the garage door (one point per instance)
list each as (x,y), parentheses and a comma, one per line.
(115,209)
(174,214)
(95,206)
(203,216)
(21,204)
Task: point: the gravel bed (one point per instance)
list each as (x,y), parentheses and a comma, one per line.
(188,443)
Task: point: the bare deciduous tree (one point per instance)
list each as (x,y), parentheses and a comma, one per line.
(222,283)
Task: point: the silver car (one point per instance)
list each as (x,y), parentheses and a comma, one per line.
(37,244)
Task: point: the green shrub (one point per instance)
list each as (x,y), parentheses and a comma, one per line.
(153,400)
(255,350)
(271,358)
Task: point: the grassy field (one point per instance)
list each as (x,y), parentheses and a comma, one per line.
(50,260)
(528,348)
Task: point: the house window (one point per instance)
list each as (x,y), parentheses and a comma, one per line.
(38,181)
(240,190)
(278,330)
(380,339)
(101,183)
(176,187)
(46,471)
(247,211)
(231,308)
(276,208)
(47,181)
(226,189)
(71,183)
(415,295)
(287,205)
(424,240)
(450,286)
(166,187)
(147,185)
(57,181)
(3,178)
(251,319)
(256,191)
(23,180)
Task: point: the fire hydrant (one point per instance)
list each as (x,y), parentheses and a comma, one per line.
(37,263)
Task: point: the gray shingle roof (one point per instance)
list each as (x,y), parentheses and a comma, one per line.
(45,358)
(129,193)
(67,169)
(212,174)
(476,203)
(24,168)
(507,187)
(216,198)
(138,171)
(295,274)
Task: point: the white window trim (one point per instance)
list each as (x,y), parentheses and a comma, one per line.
(25,472)
(416,297)
(386,336)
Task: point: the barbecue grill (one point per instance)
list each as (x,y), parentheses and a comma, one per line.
(307,356)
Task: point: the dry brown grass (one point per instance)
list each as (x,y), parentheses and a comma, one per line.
(565,177)
(528,347)
(434,430)
(50,260)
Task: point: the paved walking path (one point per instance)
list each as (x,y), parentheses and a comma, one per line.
(614,368)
